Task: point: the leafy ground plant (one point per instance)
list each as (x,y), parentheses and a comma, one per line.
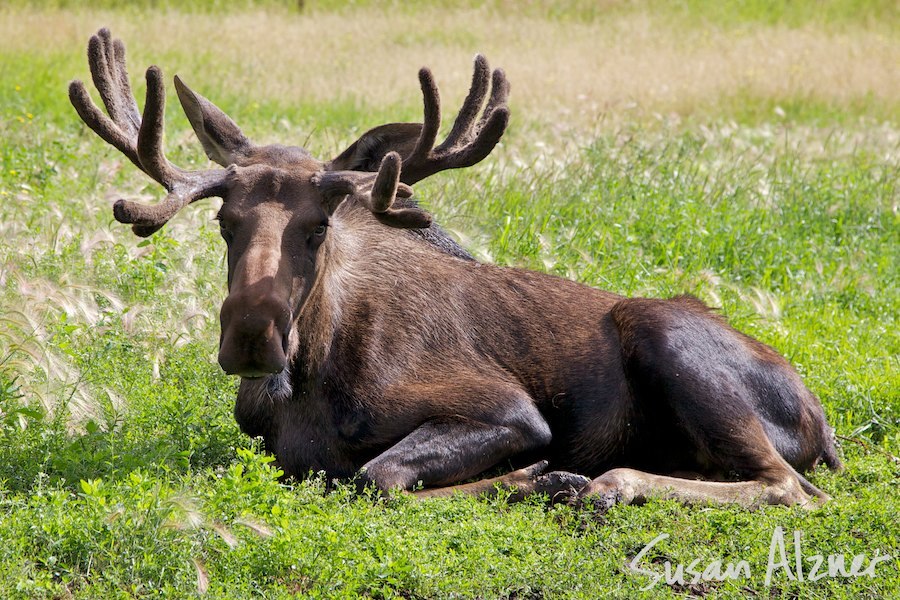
(768,187)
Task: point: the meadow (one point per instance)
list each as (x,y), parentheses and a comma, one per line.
(747,153)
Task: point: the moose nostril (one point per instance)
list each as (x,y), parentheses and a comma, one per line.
(255,335)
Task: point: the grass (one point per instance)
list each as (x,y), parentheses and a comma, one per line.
(773,196)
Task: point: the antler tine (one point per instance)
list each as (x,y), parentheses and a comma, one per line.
(149,138)
(106,59)
(431,99)
(376,191)
(107,62)
(462,127)
(129,104)
(469,141)
(499,96)
(386,189)
(140,139)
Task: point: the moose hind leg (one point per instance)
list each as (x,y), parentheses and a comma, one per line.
(687,366)
(630,486)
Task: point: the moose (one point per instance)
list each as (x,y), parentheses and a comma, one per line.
(370,345)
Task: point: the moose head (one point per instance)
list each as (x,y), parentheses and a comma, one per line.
(278,201)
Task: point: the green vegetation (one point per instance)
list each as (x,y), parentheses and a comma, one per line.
(122,471)
(768,12)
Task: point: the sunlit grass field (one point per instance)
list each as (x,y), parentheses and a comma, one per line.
(747,153)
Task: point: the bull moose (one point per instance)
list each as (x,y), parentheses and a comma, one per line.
(370,345)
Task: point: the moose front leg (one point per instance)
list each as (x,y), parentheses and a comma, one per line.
(445,451)
(558,485)
(449,449)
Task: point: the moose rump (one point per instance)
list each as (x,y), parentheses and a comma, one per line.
(710,400)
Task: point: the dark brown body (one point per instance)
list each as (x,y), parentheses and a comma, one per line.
(583,378)
(371,345)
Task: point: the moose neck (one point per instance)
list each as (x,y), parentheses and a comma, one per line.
(357,257)
(357,246)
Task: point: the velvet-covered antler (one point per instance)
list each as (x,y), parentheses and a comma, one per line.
(140,139)
(471,138)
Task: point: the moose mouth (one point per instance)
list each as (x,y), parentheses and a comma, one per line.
(253,359)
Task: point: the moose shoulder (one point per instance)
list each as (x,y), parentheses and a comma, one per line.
(370,344)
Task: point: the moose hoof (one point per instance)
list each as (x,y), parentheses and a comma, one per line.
(606,491)
(560,486)
(600,501)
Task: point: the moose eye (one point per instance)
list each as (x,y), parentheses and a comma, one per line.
(227,235)
(320,230)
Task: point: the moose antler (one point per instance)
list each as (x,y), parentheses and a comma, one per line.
(138,139)
(469,141)
(375,191)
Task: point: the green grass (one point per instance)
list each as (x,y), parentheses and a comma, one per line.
(767,12)
(123,473)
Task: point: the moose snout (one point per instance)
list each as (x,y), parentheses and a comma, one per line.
(254,337)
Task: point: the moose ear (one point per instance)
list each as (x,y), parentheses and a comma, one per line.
(222,139)
(366,153)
